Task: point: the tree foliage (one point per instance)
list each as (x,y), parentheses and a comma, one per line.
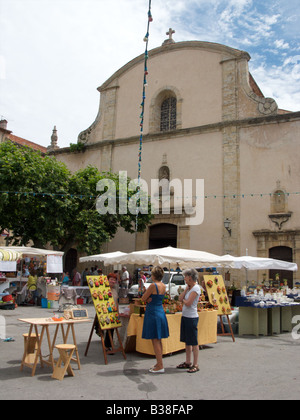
(41,201)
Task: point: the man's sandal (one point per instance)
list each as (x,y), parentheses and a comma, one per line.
(193,369)
(184,365)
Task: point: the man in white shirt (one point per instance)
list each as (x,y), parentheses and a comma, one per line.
(124,278)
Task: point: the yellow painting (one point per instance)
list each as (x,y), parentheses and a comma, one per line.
(217,294)
(106,308)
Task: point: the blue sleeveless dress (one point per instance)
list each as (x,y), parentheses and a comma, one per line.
(155,320)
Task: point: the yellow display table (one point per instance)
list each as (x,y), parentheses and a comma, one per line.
(207,332)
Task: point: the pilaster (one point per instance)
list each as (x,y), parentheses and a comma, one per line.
(231,160)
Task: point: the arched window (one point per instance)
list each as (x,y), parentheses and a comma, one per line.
(166,110)
(164,173)
(168,114)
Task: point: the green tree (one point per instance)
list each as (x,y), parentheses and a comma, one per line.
(89,227)
(43,202)
(34,202)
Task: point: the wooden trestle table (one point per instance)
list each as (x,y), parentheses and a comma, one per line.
(45,323)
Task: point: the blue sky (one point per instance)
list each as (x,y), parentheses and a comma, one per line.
(55,53)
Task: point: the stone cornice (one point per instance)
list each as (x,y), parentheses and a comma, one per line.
(219,126)
(263,232)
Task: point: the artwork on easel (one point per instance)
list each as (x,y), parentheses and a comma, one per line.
(106,308)
(107,314)
(217,294)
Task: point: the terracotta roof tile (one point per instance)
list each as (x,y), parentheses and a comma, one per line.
(28,143)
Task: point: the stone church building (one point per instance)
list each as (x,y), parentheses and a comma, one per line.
(206,119)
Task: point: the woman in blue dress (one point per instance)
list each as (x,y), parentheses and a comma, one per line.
(155,321)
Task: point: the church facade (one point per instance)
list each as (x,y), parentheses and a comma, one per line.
(207,128)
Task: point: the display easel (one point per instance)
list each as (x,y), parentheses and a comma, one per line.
(223,330)
(101,334)
(107,316)
(217,295)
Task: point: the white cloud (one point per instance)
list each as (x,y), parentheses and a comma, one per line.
(271,20)
(279,43)
(280,84)
(293,60)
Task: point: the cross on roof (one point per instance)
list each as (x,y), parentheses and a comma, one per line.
(170,33)
(170,40)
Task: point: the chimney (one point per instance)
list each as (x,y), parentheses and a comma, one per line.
(3,124)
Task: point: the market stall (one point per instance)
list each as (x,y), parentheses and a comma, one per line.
(8,268)
(172,258)
(207,332)
(183,258)
(265,310)
(249,263)
(16,262)
(268,313)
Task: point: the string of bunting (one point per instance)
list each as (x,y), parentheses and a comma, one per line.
(68,195)
(146,39)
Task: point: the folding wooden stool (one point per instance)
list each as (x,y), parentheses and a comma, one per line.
(65,355)
(30,348)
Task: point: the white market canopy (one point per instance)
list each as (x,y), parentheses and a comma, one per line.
(14,253)
(101,257)
(172,257)
(258,263)
(7,255)
(186,258)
